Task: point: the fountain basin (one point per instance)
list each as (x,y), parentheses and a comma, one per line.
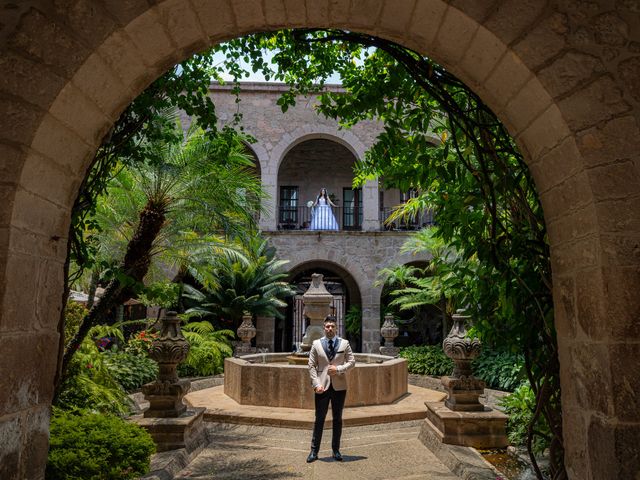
(269,380)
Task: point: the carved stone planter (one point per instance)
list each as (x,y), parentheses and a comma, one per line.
(168,350)
(462,419)
(167,419)
(389,332)
(463,388)
(246,331)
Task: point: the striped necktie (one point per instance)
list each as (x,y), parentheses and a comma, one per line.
(332,352)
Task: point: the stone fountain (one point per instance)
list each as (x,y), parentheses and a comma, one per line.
(282,379)
(461,419)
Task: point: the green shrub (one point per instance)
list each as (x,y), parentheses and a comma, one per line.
(130,370)
(99,447)
(209,348)
(73,314)
(427,360)
(500,370)
(520,406)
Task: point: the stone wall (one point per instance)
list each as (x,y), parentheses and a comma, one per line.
(562,76)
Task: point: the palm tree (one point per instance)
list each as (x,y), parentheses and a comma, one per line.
(436,284)
(196,192)
(234,284)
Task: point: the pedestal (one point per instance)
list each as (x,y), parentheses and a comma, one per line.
(245,350)
(165,399)
(390,351)
(463,393)
(186,431)
(486,429)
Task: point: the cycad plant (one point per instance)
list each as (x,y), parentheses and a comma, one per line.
(195,192)
(233,284)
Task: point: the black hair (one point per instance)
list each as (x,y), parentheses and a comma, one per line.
(330,319)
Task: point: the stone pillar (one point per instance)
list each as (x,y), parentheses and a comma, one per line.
(269,217)
(167,419)
(370,326)
(370,206)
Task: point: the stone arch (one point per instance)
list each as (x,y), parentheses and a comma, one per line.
(560,79)
(260,154)
(353,278)
(312,132)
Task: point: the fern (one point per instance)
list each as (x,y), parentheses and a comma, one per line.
(209,348)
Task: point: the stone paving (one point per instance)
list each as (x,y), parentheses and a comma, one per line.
(373,452)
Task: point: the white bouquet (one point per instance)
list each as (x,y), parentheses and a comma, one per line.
(310,203)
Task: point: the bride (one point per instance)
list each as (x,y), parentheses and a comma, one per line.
(322,217)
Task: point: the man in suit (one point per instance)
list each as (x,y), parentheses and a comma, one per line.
(329,360)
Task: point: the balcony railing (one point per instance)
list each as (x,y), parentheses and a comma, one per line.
(348,218)
(299,218)
(424,219)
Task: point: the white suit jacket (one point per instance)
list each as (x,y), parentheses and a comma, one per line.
(319,364)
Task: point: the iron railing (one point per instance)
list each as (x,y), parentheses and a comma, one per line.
(423,219)
(348,218)
(299,218)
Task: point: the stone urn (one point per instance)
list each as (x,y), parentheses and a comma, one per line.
(169,349)
(389,332)
(463,388)
(246,331)
(317,305)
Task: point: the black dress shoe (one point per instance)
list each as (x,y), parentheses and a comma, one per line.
(313,456)
(337,456)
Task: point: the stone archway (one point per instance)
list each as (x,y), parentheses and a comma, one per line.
(350,290)
(562,77)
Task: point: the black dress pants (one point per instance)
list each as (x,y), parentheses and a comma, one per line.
(337,398)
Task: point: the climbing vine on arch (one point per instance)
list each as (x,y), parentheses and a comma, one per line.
(440,138)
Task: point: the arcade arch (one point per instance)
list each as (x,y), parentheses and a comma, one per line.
(338,281)
(560,79)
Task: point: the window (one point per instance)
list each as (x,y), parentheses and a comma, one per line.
(352,213)
(289,206)
(409,223)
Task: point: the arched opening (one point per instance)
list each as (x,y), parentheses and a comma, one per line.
(421,325)
(306,168)
(346,295)
(579,133)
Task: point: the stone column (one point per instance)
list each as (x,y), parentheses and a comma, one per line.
(370,206)
(370,326)
(266,330)
(269,218)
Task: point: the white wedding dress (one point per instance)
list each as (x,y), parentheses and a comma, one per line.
(322,217)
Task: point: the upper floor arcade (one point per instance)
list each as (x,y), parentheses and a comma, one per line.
(299,152)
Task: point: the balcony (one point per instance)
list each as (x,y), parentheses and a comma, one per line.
(348,218)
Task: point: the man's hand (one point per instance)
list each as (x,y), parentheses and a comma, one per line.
(333,370)
(319,389)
